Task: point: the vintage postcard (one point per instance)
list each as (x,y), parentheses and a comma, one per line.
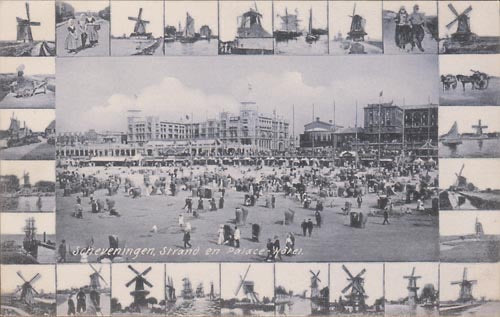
(249,157)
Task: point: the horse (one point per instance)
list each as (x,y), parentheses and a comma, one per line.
(466,80)
(449,81)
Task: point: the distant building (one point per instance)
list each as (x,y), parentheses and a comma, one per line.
(318,134)
(50,130)
(205,31)
(385,119)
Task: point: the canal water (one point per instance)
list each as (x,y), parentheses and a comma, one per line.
(472,148)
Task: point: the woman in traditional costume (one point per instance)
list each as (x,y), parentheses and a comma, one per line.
(71,42)
(91,29)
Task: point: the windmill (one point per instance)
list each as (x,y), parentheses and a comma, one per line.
(479,128)
(140,26)
(412,288)
(24,26)
(463,32)
(461,181)
(357,295)
(465,288)
(315,280)
(95,287)
(248,288)
(357,32)
(139,293)
(95,278)
(27,290)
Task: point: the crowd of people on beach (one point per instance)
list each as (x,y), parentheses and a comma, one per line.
(311,187)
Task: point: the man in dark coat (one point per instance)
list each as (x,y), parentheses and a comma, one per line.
(303,225)
(81,304)
(310,226)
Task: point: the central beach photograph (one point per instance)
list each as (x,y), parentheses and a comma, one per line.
(231,163)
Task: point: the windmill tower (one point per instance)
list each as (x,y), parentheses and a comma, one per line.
(479,128)
(478,228)
(248,288)
(463,32)
(357,32)
(412,287)
(26,180)
(461,182)
(24,26)
(465,294)
(96,278)
(140,25)
(26,288)
(139,293)
(356,297)
(315,280)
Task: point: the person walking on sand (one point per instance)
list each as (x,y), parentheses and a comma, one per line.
(386,217)
(359,200)
(220,232)
(187,239)
(237,237)
(303,225)
(310,226)
(270,248)
(181,221)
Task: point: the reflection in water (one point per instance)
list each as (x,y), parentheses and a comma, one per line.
(197,306)
(472,148)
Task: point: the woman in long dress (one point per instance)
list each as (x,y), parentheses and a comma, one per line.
(91,29)
(82,31)
(71,41)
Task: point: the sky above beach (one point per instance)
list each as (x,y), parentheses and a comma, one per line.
(173,87)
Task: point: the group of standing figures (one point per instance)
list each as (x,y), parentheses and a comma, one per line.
(410,28)
(82,33)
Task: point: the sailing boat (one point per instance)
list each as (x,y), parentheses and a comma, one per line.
(200,291)
(188,34)
(289,27)
(452,138)
(310,37)
(187,290)
(170,291)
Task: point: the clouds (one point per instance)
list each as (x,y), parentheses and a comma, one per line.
(174,87)
(170,99)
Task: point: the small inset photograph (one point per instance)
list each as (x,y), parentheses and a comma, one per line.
(469,289)
(27,238)
(357,288)
(192,289)
(27,186)
(247,289)
(412,289)
(469,80)
(301,289)
(410,27)
(469,132)
(301,27)
(27,134)
(28,290)
(469,236)
(355,27)
(469,27)
(27,28)
(83,289)
(191,28)
(82,28)
(138,289)
(27,82)
(137,28)
(246,27)
(469,184)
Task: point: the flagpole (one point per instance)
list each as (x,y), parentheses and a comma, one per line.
(333,135)
(356,134)
(379,126)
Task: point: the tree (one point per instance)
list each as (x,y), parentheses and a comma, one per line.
(152,301)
